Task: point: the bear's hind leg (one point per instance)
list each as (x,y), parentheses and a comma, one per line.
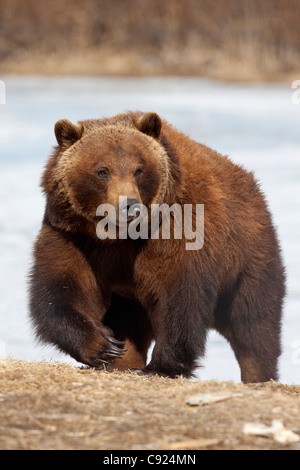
(250,319)
(129,322)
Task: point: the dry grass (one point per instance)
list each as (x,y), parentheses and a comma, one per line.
(58,406)
(230,39)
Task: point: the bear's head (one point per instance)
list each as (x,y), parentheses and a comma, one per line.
(104,161)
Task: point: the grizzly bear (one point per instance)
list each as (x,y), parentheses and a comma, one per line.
(103,301)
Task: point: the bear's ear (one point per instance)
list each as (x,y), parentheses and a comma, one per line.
(67,133)
(150,124)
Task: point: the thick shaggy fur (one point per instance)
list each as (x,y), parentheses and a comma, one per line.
(88,296)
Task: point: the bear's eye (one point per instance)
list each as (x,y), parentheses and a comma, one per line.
(103,174)
(138,172)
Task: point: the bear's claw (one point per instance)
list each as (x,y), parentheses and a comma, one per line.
(114,341)
(112,349)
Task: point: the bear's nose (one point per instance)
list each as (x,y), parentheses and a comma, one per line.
(129,207)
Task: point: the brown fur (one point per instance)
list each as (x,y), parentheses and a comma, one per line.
(85,292)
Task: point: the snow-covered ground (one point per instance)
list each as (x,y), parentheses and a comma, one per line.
(257,125)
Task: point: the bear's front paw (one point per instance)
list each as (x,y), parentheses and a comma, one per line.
(101,348)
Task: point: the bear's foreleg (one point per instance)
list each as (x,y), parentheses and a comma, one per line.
(66,307)
(180,320)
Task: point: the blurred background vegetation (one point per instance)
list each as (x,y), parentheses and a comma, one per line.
(226,39)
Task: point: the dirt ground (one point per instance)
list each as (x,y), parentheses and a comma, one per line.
(58,406)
